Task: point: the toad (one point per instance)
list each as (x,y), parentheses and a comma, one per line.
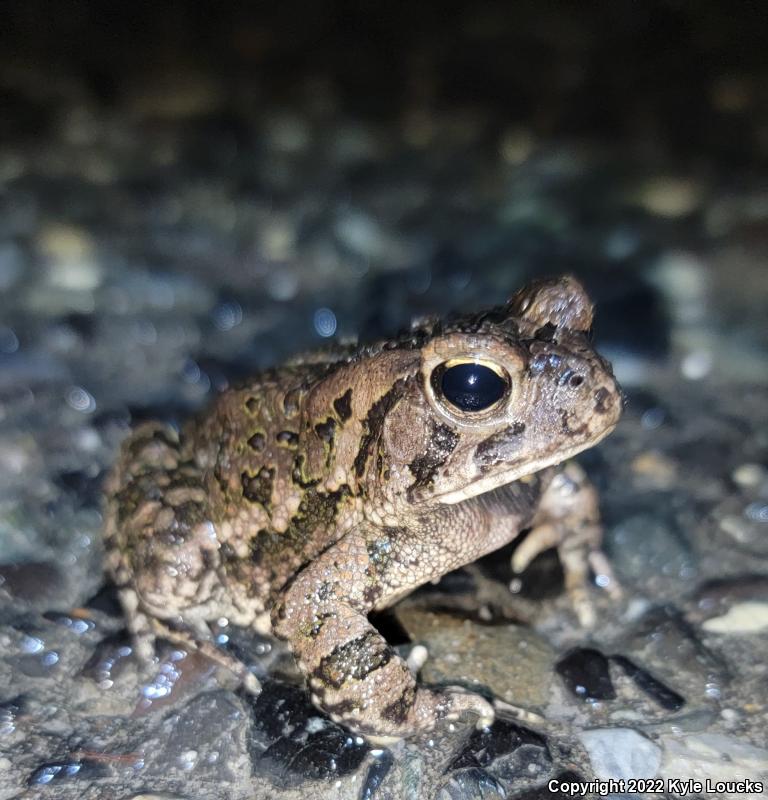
(332,486)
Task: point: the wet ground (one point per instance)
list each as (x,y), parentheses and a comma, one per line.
(171,222)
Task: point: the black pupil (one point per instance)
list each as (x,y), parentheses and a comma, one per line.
(472,387)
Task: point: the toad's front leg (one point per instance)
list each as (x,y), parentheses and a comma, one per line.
(354,675)
(568,518)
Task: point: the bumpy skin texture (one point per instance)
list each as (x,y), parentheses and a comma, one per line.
(337,484)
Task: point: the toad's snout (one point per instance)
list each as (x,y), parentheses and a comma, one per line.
(583,391)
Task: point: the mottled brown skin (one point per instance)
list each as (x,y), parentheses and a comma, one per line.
(336,485)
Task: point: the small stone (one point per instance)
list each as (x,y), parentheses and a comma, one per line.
(155,796)
(715,598)
(70,253)
(493,749)
(355,143)
(516,146)
(670,196)
(278,238)
(289,739)
(511,660)
(621,753)
(585,672)
(59,771)
(750,475)
(749,617)
(654,469)
(696,365)
(667,698)
(682,278)
(745,523)
(362,234)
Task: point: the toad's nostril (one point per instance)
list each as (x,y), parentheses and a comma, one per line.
(570,377)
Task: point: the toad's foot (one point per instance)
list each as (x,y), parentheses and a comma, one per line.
(568,519)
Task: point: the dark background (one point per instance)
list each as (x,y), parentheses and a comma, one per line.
(651,73)
(191,191)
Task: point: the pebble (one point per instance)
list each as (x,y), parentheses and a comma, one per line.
(585,672)
(696,365)
(749,617)
(362,234)
(70,253)
(621,753)
(750,475)
(154,796)
(654,469)
(510,660)
(746,523)
(504,747)
(667,698)
(670,196)
(516,146)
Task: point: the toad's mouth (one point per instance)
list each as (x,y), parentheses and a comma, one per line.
(487,483)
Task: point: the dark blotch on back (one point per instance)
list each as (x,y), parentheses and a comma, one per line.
(311,528)
(442,442)
(288,438)
(257,442)
(325,430)
(343,405)
(258,488)
(374,421)
(501,446)
(291,402)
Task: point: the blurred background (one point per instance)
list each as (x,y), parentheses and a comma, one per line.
(185,183)
(191,191)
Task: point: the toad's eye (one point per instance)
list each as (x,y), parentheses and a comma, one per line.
(468,385)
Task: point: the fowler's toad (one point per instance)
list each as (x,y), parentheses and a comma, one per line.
(334,485)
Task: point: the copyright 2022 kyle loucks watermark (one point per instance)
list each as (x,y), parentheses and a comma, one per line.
(668,786)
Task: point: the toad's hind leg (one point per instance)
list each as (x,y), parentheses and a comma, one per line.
(162,550)
(568,518)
